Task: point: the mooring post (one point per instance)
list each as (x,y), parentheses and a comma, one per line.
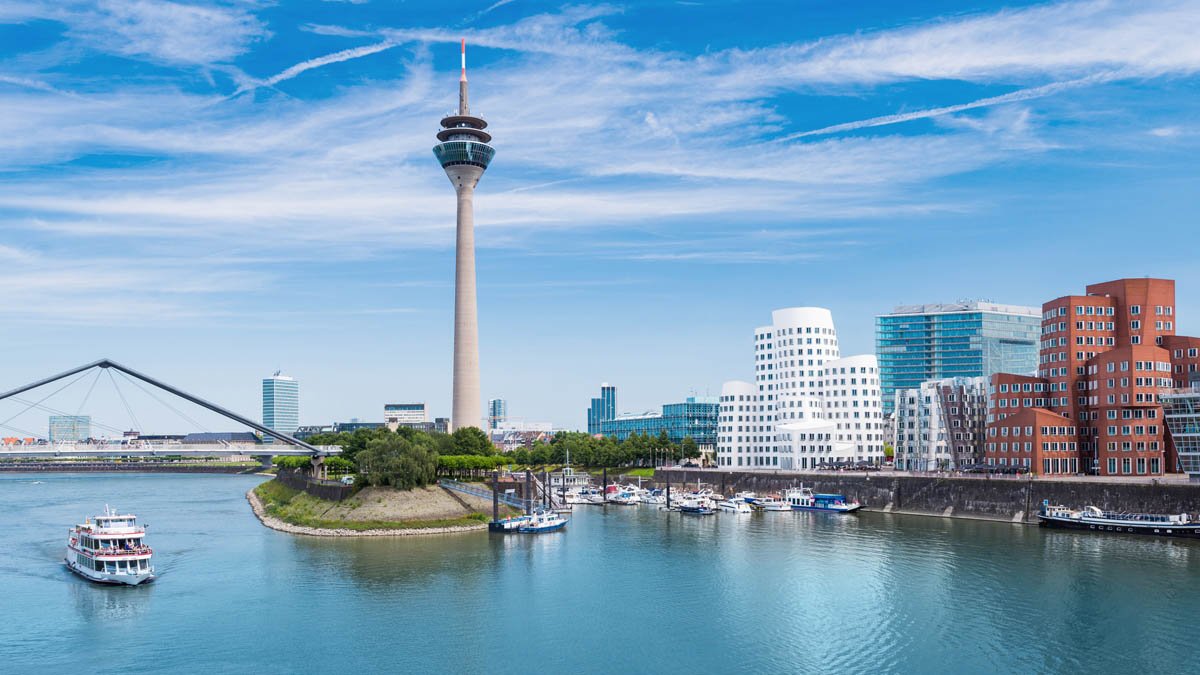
(605,485)
(545,488)
(528,492)
(495,496)
(668,494)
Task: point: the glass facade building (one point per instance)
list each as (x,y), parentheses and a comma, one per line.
(281,404)
(1181,412)
(602,409)
(917,343)
(696,417)
(70,428)
(497,412)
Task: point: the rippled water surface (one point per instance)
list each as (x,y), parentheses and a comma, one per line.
(627,589)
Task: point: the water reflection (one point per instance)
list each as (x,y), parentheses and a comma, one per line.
(101,604)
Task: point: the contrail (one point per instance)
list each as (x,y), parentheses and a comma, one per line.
(1011,97)
(336,57)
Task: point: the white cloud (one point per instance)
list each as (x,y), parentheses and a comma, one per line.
(170,32)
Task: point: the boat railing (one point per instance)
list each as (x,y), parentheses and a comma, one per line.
(113,551)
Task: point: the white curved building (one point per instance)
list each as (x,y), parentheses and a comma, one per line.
(807,405)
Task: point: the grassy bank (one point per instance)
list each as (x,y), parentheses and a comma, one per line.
(299,508)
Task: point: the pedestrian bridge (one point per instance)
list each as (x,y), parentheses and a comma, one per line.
(285,445)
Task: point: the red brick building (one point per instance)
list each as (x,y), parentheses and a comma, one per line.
(1093,404)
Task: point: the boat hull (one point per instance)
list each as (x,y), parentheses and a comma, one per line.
(850,508)
(1187,531)
(538,529)
(110,579)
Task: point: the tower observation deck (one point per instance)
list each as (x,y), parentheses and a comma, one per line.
(464,154)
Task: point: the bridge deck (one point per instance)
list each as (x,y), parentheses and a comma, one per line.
(101,450)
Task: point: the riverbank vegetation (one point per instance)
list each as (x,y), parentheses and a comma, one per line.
(370,509)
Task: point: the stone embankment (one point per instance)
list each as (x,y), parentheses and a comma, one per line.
(1007,499)
(276,524)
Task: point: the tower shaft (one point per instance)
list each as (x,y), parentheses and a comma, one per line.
(466,410)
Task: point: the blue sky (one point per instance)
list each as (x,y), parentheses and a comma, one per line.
(211,191)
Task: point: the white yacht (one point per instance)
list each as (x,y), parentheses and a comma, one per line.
(110,549)
(734,505)
(771,503)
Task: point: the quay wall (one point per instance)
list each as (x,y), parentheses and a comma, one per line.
(122,467)
(1007,499)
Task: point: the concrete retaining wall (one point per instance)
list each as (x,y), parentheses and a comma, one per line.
(993,499)
(330,490)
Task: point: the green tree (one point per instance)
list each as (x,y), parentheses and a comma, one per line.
(688,448)
(472,441)
(401,461)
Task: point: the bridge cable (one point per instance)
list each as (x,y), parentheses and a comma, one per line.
(40,401)
(89,393)
(137,426)
(26,432)
(56,411)
(168,405)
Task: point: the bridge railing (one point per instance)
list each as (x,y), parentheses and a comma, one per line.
(484,493)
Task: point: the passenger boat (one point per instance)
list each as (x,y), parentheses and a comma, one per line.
(803,499)
(109,549)
(1096,520)
(771,503)
(542,521)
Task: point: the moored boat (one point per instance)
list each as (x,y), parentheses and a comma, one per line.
(734,505)
(771,503)
(109,549)
(508,525)
(804,499)
(542,521)
(696,507)
(1094,519)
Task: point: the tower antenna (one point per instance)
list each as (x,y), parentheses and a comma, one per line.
(463,109)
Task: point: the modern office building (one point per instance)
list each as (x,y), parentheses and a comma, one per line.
(464,154)
(695,417)
(280,404)
(918,343)
(1181,412)
(1093,405)
(940,425)
(808,406)
(404,414)
(497,412)
(70,428)
(602,409)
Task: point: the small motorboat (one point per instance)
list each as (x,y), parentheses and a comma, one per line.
(734,505)
(542,521)
(771,503)
(696,507)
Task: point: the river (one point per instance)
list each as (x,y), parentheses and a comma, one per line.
(623,589)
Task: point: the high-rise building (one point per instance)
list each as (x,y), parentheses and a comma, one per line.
(940,425)
(1093,405)
(281,404)
(808,406)
(1181,410)
(696,417)
(464,153)
(602,409)
(70,428)
(497,412)
(404,415)
(918,343)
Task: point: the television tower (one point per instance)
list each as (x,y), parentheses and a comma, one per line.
(464,153)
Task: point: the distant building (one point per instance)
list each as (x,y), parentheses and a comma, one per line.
(602,409)
(306,432)
(70,428)
(808,406)
(695,417)
(497,412)
(940,425)
(918,343)
(404,415)
(281,404)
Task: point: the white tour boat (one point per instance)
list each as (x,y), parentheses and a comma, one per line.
(804,499)
(109,549)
